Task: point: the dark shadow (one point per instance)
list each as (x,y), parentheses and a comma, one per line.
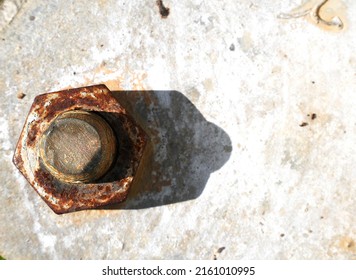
(183,150)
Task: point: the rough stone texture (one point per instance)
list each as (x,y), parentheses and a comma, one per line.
(224,87)
(8,10)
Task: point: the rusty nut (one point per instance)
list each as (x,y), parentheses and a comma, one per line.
(80,149)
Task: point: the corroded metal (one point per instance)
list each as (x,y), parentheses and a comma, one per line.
(65,196)
(78,146)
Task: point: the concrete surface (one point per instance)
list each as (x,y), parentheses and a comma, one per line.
(254,121)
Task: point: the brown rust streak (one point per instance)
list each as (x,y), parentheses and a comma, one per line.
(74,197)
(138,136)
(66,100)
(17,158)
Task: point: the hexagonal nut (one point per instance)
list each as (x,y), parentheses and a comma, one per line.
(65,194)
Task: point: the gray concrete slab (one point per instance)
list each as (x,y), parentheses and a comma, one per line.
(229,89)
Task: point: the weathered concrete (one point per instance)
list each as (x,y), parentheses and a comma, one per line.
(8,11)
(229,91)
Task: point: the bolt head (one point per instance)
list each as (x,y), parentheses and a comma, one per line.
(80,148)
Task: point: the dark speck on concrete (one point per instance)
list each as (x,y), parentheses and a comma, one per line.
(20,95)
(164,11)
(220,249)
(32,18)
(218,252)
(303,124)
(232,47)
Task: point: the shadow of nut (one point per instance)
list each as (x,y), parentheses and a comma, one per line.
(80,149)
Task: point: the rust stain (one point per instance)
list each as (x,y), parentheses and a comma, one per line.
(139,82)
(136,80)
(346,243)
(115,82)
(103,69)
(64,197)
(50,105)
(113,85)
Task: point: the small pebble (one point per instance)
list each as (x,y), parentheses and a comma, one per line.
(20,95)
